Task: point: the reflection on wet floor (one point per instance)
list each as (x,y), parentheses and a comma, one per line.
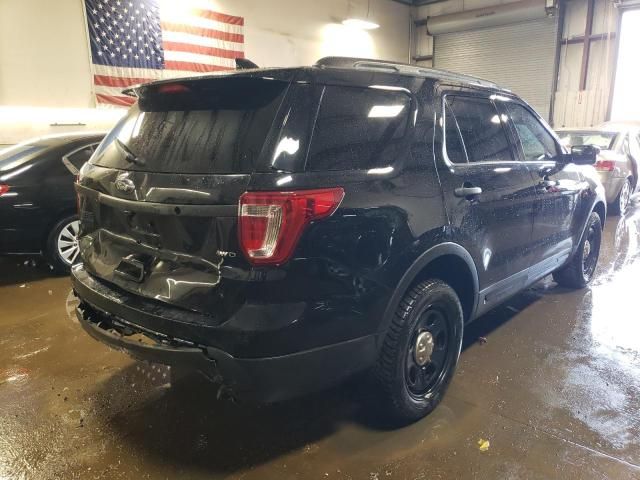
(555,389)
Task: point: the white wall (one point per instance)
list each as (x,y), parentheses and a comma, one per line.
(44,59)
(571,106)
(574,107)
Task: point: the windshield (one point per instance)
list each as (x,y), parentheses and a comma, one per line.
(602,140)
(210,126)
(17,155)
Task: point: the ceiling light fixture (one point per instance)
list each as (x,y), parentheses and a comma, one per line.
(361,23)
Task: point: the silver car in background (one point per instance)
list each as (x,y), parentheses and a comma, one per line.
(618,160)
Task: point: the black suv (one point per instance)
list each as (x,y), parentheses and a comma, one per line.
(283,229)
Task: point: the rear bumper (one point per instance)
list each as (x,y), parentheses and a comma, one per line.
(612,185)
(107,319)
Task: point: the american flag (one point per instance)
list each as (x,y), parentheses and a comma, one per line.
(136,41)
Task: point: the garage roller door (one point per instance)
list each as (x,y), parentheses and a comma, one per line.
(519,56)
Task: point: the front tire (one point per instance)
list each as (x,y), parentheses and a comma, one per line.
(579,271)
(62,244)
(420,352)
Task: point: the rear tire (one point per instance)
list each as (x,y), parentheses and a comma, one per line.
(621,202)
(579,271)
(420,352)
(62,245)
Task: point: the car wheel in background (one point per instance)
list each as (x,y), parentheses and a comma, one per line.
(62,244)
(420,352)
(622,200)
(579,271)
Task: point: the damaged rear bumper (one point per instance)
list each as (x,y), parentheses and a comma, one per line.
(115,323)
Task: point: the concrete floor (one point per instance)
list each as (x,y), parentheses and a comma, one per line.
(555,389)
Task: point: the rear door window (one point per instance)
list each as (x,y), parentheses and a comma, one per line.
(76,159)
(537,143)
(481,127)
(359,128)
(211,126)
(453,141)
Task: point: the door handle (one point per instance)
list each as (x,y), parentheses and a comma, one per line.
(467,192)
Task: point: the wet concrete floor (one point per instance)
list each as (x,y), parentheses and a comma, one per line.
(555,389)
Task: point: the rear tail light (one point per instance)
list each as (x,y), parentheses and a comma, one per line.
(3,189)
(270,223)
(605,165)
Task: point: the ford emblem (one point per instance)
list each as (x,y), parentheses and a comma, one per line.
(124,184)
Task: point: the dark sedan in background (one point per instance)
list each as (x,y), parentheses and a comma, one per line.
(37,196)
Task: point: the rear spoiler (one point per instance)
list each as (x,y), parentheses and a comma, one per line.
(241,64)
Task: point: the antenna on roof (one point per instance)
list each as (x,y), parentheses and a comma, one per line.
(245,64)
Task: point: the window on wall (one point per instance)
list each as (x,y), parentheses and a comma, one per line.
(537,142)
(358,128)
(481,128)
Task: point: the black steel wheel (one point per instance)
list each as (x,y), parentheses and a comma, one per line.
(420,352)
(581,268)
(428,352)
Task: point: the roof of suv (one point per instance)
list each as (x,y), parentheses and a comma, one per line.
(346,64)
(401,69)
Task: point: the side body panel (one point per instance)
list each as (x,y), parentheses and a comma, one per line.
(495,227)
(40,195)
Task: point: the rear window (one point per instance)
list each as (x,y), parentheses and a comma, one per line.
(358,128)
(481,130)
(603,141)
(212,126)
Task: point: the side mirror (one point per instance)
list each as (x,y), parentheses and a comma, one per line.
(582,155)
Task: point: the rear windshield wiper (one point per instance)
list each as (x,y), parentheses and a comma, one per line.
(128,154)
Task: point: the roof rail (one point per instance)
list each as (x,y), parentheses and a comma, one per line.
(402,68)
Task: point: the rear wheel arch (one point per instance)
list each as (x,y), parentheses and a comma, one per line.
(449,262)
